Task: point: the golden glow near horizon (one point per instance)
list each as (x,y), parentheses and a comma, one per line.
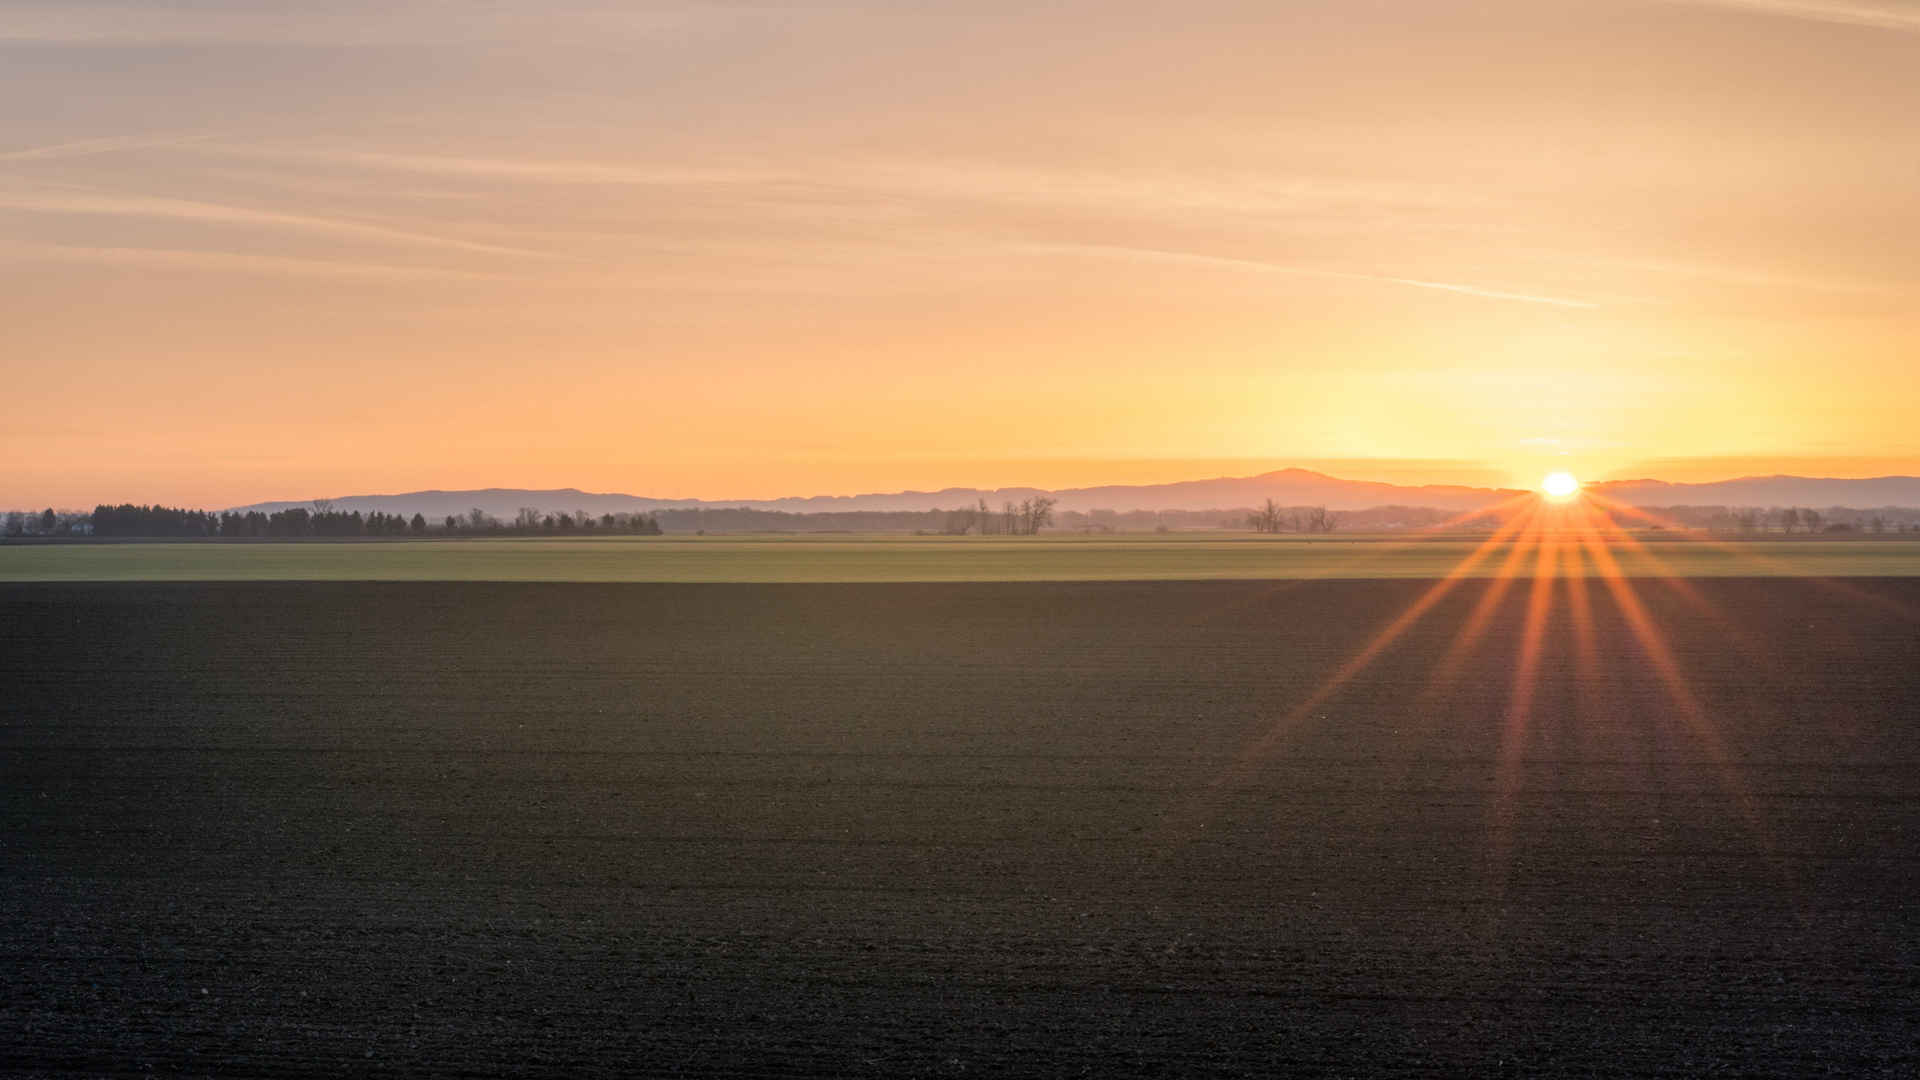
(678,248)
(1559,486)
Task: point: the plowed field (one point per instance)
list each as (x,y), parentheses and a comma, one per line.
(1067,829)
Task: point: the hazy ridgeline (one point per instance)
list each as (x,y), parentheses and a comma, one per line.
(1030,517)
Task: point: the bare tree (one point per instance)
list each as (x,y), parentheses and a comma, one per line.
(1267,518)
(1037,513)
(960,522)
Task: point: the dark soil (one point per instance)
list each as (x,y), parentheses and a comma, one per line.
(1073,829)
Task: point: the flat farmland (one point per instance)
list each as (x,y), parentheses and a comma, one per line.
(1062,828)
(1190,557)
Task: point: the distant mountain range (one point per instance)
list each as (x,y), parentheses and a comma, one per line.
(1289,487)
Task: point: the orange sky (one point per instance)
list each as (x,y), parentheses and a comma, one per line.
(257,250)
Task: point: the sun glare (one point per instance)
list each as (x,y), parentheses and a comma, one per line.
(1559,485)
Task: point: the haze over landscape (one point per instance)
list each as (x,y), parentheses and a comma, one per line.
(727,251)
(1289,487)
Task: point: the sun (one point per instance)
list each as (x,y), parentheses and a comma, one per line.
(1560,486)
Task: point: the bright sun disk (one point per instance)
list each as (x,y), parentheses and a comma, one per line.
(1559,485)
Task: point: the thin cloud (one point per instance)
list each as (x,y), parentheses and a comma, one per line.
(371,24)
(1886,15)
(236,262)
(1257,266)
(1491,294)
(1152,192)
(89,147)
(1732,275)
(547,171)
(66,202)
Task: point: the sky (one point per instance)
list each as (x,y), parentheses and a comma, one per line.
(262,250)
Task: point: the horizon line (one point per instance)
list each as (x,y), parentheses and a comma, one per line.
(1489,489)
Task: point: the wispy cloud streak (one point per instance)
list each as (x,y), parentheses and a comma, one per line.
(75,148)
(237,262)
(1884,16)
(148,206)
(1258,266)
(1147,192)
(373,25)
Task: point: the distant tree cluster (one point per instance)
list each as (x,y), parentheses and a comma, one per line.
(166,521)
(531,521)
(1273,518)
(128,520)
(742,519)
(1025,518)
(48,522)
(299,522)
(1795,520)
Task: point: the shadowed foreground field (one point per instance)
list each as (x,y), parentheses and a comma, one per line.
(1067,828)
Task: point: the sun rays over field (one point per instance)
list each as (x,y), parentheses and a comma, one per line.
(1568,548)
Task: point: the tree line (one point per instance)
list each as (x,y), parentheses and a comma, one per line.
(1795,520)
(129,520)
(1024,518)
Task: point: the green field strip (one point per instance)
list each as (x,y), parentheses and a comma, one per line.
(902,559)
